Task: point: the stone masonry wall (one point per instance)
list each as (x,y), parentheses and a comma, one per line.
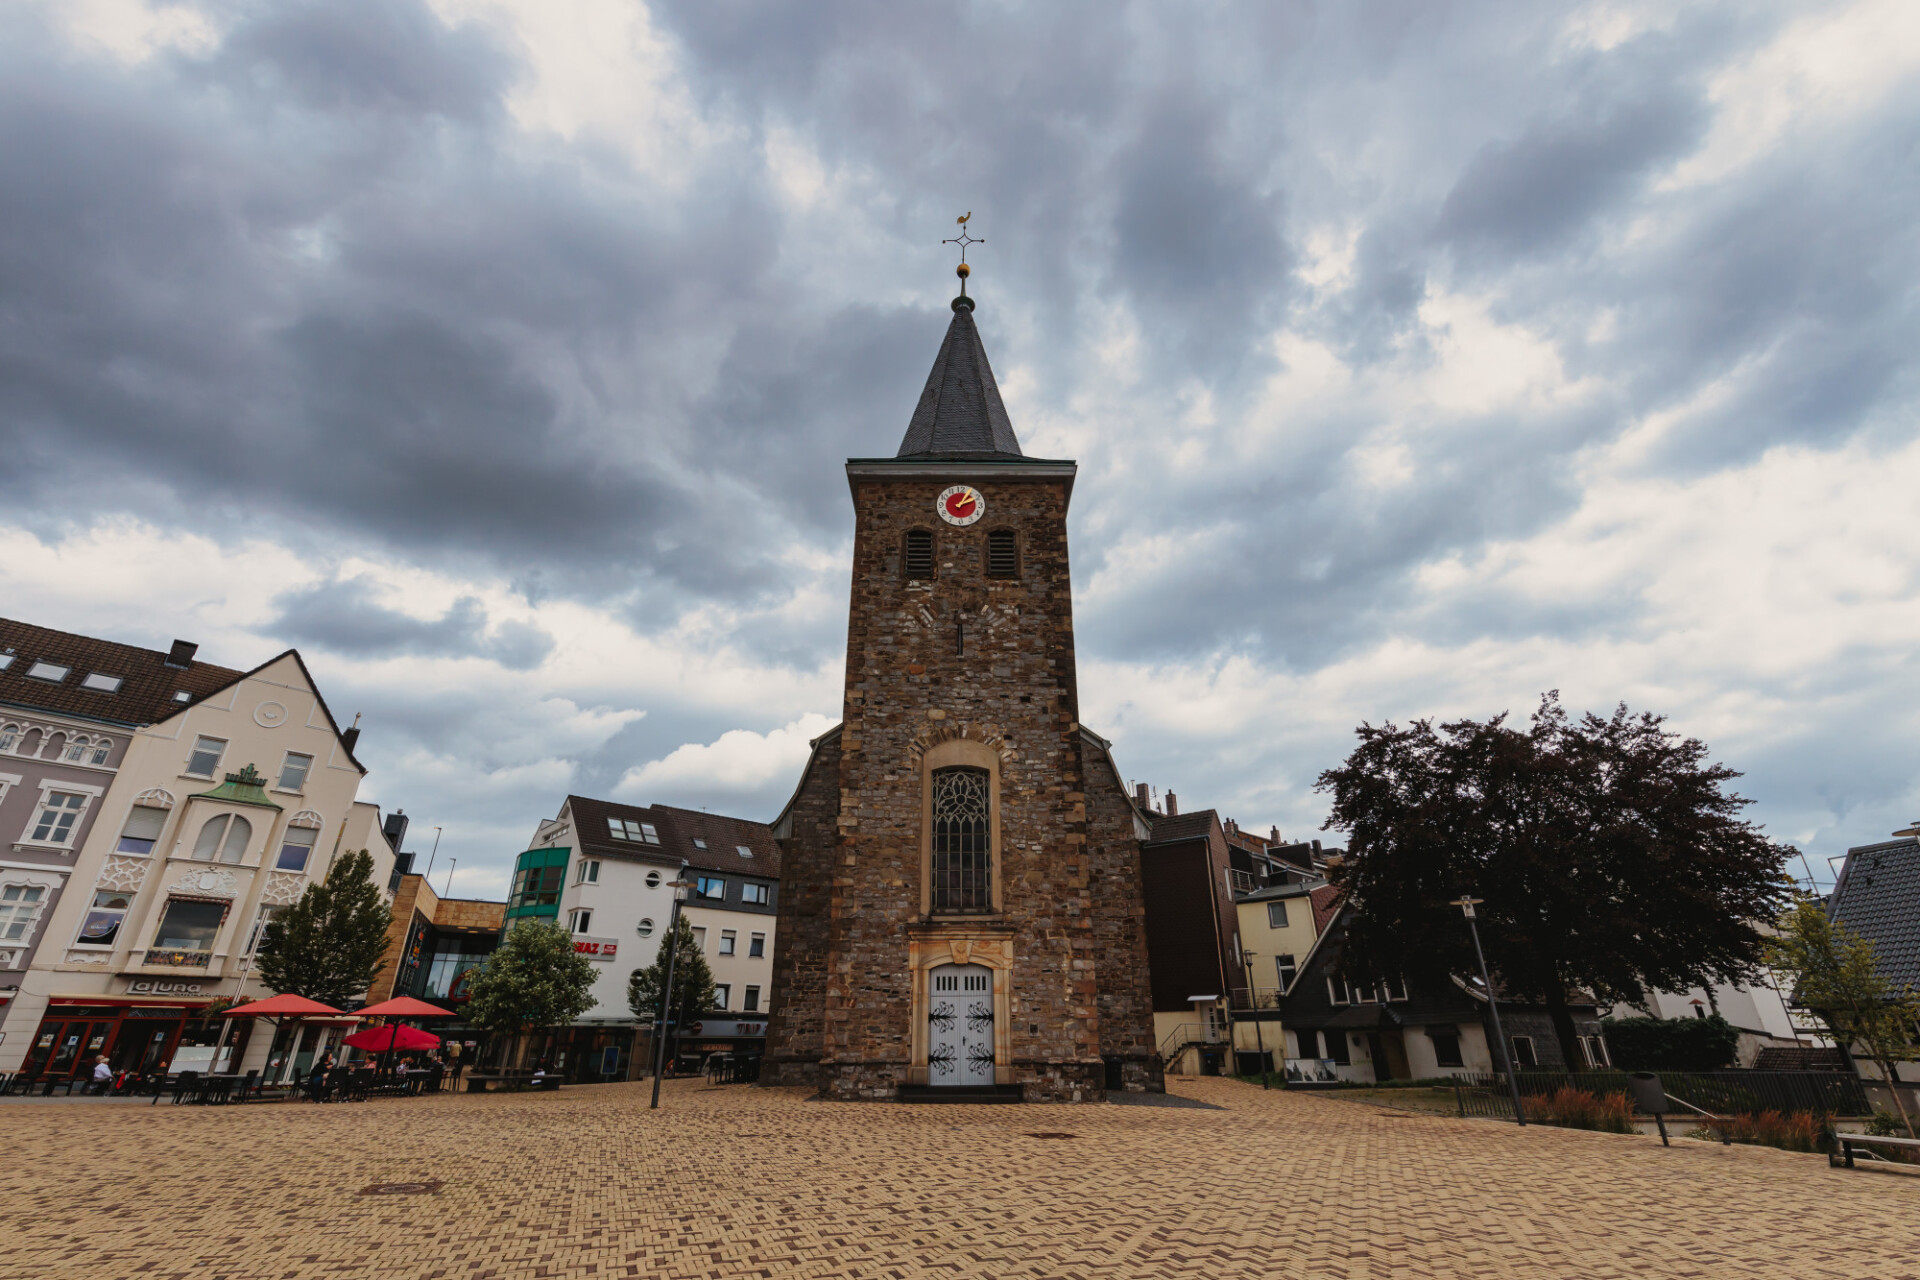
(1120,939)
(802,938)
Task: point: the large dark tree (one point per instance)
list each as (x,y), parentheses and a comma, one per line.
(1610,855)
(328,945)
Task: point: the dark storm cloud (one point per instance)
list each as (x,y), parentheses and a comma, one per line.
(342,616)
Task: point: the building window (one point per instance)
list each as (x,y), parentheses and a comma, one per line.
(1523,1052)
(1392,992)
(962,870)
(722,992)
(757,946)
(580,921)
(101,682)
(1003,554)
(1594,1050)
(538,886)
(1276,915)
(19,905)
(189,924)
(1284,970)
(293,771)
(101,750)
(206,756)
(727,938)
(645,928)
(756,894)
(1337,1048)
(51,671)
(260,923)
(76,752)
(224,837)
(58,812)
(750,1000)
(919,557)
(296,847)
(624,829)
(698,843)
(653,879)
(102,924)
(1446,1048)
(743,851)
(700,938)
(589,872)
(142,830)
(1337,993)
(9,737)
(711,887)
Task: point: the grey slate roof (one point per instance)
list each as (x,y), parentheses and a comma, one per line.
(1878,898)
(960,410)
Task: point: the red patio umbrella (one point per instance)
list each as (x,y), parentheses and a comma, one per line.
(283,1007)
(403,1007)
(396,1036)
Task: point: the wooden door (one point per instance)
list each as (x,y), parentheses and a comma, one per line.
(960,1025)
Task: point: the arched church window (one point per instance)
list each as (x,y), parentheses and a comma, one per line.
(962,840)
(919,557)
(1003,554)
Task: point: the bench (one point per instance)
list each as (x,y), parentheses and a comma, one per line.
(480,1081)
(1848,1141)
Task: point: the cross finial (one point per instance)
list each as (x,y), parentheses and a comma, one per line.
(963,240)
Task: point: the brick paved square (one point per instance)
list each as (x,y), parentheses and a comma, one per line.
(737,1181)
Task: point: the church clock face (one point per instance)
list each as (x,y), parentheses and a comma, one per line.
(961,505)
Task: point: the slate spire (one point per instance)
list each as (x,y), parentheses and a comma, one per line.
(960,409)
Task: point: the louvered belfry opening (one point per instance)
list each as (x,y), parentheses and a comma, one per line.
(1003,554)
(962,840)
(919,561)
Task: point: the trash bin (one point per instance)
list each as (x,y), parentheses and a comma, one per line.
(1649,1097)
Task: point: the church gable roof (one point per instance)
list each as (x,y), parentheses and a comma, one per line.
(960,410)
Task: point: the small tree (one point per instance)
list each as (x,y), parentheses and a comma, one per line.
(1835,976)
(1610,855)
(692,983)
(328,945)
(535,979)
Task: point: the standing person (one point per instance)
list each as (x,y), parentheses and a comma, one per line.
(102,1075)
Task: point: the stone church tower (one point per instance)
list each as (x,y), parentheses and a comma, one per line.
(960,903)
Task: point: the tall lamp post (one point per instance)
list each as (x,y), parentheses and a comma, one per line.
(1253,1003)
(681,888)
(1466,906)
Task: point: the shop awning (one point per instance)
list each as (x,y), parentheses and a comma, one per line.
(397,1036)
(283,1007)
(404,1007)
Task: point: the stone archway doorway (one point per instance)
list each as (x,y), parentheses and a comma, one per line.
(960,1025)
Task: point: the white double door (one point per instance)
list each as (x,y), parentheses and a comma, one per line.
(960,1025)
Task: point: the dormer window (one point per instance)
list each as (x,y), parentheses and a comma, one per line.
(919,556)
(1003,554)
(52,672)
(101,682)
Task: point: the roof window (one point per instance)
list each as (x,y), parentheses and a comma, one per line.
(698,843)
(101,682)
(626,829)
(743,851)
(52,671)
(6,660)
(181,695)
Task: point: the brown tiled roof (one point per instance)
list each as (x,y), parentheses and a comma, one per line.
(1182,826)
(678,829)
(145,696)
(1326,902)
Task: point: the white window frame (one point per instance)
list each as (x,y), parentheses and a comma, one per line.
(729,942)
(47,787)
(580,921)
(750,998)
(1272,908)
(756,946)
(88,910)
(1533,1051)
(8,781)
(186,770)
(280,781)
(1285,971)
(1337,994)
(589,871)
(261,919)
(48,892)
(754,895)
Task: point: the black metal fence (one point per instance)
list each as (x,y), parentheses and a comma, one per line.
(1722,1093)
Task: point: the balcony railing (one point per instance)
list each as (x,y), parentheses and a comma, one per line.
(177,959)
(1260,998)
(1241,881)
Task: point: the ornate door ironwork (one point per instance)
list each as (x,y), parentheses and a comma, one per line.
(960,1025)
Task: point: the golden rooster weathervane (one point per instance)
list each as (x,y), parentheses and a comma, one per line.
(963,240)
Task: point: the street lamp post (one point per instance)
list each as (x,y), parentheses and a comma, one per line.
(681,887)
(1466,906)
(1253,1002)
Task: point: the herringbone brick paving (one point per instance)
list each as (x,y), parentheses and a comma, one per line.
(726,1182)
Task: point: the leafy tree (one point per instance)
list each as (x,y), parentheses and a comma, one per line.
(328,945)
(1608,852)
(1835,976)
(534,979)
(1672,1044)
(692,982)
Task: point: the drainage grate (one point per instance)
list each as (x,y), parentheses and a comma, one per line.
(402,1189)
(1053,1135)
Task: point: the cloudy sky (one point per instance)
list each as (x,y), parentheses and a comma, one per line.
(1419,357)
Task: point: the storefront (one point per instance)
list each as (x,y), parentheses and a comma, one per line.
(138,1036)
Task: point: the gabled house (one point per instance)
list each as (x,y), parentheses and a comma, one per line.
(1877,897)
(1346,1026)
